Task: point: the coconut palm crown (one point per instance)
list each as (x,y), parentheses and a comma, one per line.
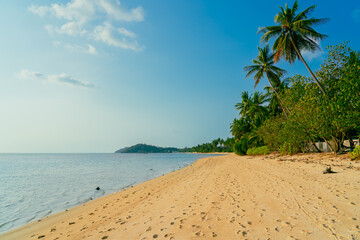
(264,65)
(294,34)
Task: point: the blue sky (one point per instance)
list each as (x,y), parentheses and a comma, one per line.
(95,76)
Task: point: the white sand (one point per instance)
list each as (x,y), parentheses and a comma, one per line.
(224,197)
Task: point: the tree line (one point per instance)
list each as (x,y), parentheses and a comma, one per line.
(293,113)
(217,145)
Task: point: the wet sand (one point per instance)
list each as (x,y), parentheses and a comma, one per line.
(222,197)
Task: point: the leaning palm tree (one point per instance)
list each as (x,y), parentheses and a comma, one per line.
(264,65)
(275,106)
(294,34)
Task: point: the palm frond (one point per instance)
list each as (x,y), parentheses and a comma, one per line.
(257,77)
(251,69)
(270,33)
(295,8)
(304,14)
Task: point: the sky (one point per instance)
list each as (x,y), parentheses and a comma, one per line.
(99,75)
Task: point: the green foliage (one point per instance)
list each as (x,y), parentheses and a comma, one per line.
(264,150)
(253,112)
(240,147)
(293,33)
(217,145)
(288,149)
(144,148)
(314,117)
(355,154)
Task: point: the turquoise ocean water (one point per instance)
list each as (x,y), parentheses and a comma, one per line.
(33,186)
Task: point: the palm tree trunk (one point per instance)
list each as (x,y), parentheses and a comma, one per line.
(281,102)
(308,68)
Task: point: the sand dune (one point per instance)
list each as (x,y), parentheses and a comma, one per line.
(223,197)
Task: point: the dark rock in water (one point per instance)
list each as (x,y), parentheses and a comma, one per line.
(151,169)
(97,188)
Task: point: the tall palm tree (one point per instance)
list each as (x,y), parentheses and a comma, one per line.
(264,65)
(294,34)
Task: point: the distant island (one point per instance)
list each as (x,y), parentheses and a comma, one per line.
(144,148)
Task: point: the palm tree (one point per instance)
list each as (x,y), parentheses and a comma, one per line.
(257,111)
(239,127)
(252,107)
(293,35)
(264,65)
(275,105)
(243,106)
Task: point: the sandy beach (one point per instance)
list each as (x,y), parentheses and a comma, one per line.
(222,197)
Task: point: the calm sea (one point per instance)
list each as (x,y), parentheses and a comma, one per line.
(33,186)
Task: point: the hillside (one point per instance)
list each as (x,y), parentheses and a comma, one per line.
(144,148)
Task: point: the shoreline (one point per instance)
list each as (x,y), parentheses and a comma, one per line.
(225,197)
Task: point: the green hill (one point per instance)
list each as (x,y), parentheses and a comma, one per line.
(144,148)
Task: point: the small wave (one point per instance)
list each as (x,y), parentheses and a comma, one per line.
(129,185)
(8,222)
(32,218)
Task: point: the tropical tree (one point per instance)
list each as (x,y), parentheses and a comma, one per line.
(275,106)
(264,65)
(258,112)
(293,35)
(252,107)
(243,106)
(239,127)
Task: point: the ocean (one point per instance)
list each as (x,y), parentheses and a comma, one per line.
(33,186)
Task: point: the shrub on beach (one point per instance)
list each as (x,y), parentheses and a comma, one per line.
(355,154)
(240,147)
(288,149)
(264,150)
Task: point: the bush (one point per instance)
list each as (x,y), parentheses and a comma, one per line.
(355,154)
(240,147)
(288,149)
(264,150)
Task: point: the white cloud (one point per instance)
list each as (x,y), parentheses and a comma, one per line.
(25,73)
(356,15)
(126,33)
(120,14)
(313,55)
(82,16)
(106,33)
(76,10)
(70,28)
(62,78)
(91,50)
(39,10)
(68,80)
(88,48)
